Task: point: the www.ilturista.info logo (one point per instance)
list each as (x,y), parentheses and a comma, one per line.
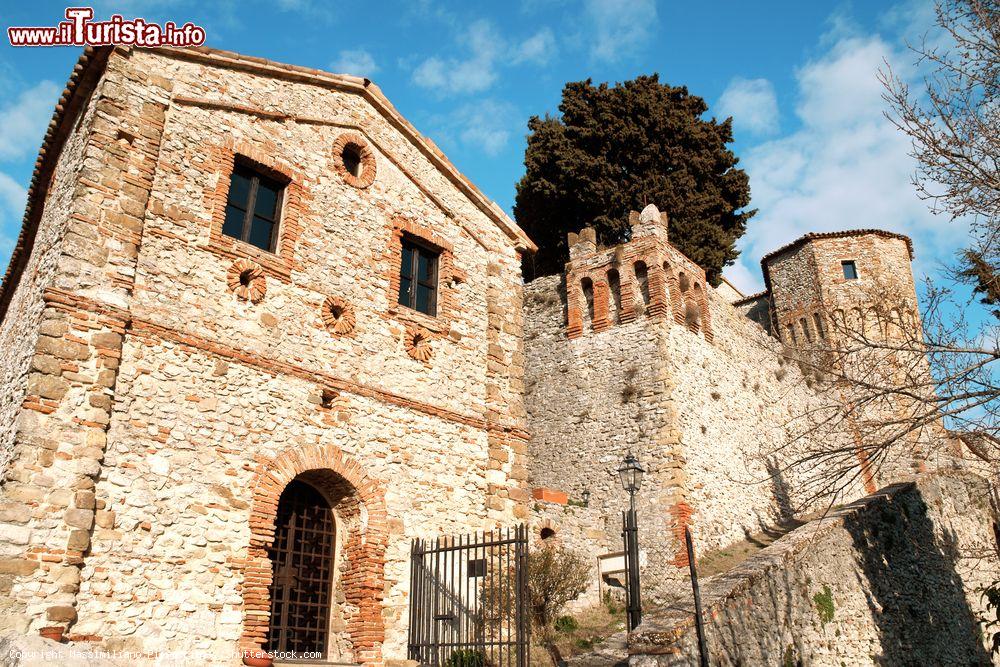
(80,30)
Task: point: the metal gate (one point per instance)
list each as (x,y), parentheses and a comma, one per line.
(302,557)
(469,600)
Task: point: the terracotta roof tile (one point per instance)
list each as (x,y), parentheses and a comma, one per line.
(836,235)
(751,297)
(811,236)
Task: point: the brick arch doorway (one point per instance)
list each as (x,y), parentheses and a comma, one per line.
(355,623)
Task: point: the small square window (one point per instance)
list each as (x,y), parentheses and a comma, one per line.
(418,269)
(253,208)
(850,269)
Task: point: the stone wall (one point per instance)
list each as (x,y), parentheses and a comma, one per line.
(197,375)
(61,429)
(190,437)
(714,412)
(890,579)
(738,402)
(597,388)
(19,328)
(591,400)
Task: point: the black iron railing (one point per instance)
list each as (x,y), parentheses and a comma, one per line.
(468,600)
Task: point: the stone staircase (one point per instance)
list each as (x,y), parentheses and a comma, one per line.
(613,651)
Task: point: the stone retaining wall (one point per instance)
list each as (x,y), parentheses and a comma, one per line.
(894,578)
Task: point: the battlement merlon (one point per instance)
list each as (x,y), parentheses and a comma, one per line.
(644,276)
(650,222)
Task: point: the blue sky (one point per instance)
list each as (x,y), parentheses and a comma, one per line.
(798,78)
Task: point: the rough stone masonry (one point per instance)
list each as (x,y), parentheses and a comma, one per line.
(166,379)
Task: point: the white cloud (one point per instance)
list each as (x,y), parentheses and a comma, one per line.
(23,121)
(488,51)
(620,27)
(355,61)
(537,49)
(486,125)
(846,167)
(13,196)
(752,104)
(472,75)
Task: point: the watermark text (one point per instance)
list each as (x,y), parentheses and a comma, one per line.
(79,29)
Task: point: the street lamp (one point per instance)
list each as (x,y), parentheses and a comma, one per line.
(586,497)
(630,473)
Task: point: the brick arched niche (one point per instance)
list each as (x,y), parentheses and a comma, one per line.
(359,504)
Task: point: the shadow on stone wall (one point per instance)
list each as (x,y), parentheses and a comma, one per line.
(874,582)
(780,489)
(922,619)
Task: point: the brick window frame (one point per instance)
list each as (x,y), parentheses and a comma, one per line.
(447,298)
(357,143)
(281,262)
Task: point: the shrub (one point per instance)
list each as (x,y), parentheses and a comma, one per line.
(566,624)
(466,657)
(555,577)
(824,605)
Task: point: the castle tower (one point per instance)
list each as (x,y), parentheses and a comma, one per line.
(821,279)
(835,298)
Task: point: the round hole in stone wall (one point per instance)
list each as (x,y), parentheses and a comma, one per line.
(547,533)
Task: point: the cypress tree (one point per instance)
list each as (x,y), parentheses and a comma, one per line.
(614,149)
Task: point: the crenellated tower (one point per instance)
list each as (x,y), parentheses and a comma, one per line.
(645,276)
(822,282)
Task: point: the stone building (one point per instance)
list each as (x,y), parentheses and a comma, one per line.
(632,351)
(253,314)
(246,292)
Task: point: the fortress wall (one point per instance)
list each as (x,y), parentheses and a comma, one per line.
(736,400)
(877,582)
(714,422)
(591,400)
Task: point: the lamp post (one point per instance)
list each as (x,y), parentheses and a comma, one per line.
(586,497)
(630,473)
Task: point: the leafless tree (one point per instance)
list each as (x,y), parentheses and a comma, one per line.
(895,391)
(899,386)
(954,126)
